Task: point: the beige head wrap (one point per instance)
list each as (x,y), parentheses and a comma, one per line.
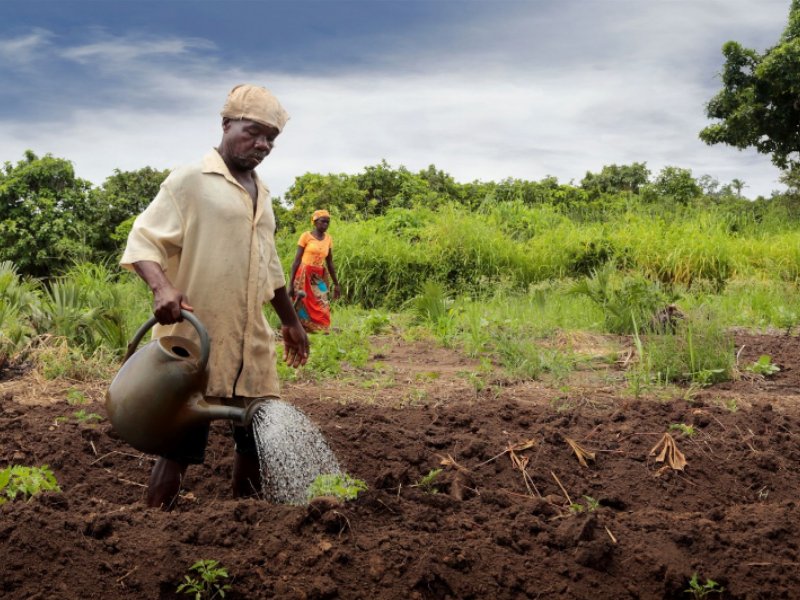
(255,103)
(320,213)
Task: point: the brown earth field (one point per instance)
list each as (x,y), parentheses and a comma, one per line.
(504,521)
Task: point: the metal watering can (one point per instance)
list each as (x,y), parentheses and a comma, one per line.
(159,391)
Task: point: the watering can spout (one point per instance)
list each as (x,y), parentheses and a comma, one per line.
(202,411)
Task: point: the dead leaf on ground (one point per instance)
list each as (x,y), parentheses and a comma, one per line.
(669,453)
(519,446)
(580,452)
(520,463)
(449,461)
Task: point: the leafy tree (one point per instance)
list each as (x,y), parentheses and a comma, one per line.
(337,193)
(114,206)
(675,184)
(616,178)
(759,104)
(382,185)
(441,183)
(44,211)
(368,194)
(737,185)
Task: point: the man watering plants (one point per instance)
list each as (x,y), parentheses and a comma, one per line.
(206,244)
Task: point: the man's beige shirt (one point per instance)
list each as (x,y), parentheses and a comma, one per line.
(202,231)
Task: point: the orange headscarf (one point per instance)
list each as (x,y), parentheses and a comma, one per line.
(320,213)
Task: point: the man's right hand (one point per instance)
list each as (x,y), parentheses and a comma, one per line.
(168,303)
(167,299)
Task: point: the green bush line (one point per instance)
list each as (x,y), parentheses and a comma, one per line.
(382,262)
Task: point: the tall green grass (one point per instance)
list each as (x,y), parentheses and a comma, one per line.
(383,262)
(700,351)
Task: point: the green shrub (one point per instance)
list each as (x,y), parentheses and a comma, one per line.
(764,366)
(338,485)
(624,301)
(18,480)
(210,585)
(700,351)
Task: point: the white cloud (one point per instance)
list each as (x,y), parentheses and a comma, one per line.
(527,93)
(127,50)
(20,51)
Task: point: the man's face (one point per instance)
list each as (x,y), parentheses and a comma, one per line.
(246,143)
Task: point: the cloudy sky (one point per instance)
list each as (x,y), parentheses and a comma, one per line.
(483,89)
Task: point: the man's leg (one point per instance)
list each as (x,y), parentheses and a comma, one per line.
(165,483)
(246,475)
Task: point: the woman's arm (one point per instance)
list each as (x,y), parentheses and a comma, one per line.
(329,263)
(295,265)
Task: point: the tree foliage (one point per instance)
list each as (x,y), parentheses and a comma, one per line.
(43,214)
(614,179)
(49,218)
(123,196)
(759,104)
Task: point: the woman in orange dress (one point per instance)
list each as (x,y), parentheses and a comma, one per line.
(314,255)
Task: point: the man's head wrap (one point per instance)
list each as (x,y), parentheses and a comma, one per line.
(320,213)
(255,103)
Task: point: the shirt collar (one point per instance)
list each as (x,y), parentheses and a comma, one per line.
(213,163)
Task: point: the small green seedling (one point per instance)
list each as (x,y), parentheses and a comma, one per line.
(428,482)
(340,486)
(701,590)
(705,377)
(687,430)
(81,416)
(764,366)
(18,480)
(591,503)
(76,397)
(210,585)
(732,405)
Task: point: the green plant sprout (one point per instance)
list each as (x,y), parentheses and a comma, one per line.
(732,405)
(340,486)
(210,585)
(763,366)
(427,482)
(80,416)
(591,503)
(18,480)
(700,591)
(75,397)
(687,430)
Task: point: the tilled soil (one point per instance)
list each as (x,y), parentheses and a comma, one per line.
(498,525)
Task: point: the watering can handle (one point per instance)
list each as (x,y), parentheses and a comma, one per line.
(205,345)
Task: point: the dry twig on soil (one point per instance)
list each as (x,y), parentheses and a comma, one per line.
(520,463)
(563,489)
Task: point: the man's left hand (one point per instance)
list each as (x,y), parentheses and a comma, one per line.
(295,345)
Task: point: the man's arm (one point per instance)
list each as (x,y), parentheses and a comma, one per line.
(167,299)
(295,340)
